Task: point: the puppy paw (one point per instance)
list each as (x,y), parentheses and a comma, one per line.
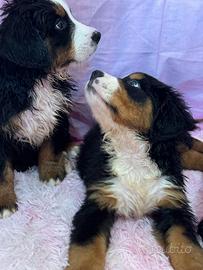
(54,182)
(53,171)
(8,199)
(6,212)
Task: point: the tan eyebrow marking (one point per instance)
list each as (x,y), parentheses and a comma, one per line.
(60,10)
(137,76)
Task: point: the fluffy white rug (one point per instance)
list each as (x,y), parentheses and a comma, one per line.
(37,236)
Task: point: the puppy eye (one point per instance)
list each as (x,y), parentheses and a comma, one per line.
(134,83)
(60,24)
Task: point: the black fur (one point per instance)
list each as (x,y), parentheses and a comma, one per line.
(171,125)
(21,42)
(200,229)
(171,119)
(91,221)
(92,160)
(165,218)
(134,90)
(16,88)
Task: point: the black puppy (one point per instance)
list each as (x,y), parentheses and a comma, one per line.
(38,38)
(131,166)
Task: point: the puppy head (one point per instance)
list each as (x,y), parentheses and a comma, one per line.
(44,34)
(138,102)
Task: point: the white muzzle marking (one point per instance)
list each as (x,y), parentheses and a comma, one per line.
(83,44)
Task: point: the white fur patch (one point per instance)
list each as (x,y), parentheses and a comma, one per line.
(100,111)
(83,44)
(138,184)
(97,94)
(5,213)
(35,125)
(105,86)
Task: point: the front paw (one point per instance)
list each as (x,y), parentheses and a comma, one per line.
(8,198)
(53,171)
(7,211)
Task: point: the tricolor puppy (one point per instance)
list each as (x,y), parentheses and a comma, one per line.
(38,39)
(131,167)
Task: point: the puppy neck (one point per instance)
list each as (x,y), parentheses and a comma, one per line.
(124,140)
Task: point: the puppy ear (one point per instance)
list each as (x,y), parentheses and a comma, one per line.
(172,118)
(22,44)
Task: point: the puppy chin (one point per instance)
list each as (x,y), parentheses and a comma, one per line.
(83,53)
(90,94)
(100,110)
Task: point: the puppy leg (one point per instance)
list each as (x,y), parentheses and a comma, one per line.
(51,165)
(7,194)
(56,155)
(174,224)
(192,160)
(90,238)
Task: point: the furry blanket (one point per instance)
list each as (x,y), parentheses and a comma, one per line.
(37,236)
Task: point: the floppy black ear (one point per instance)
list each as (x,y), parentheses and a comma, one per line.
(172,118)
(21,43)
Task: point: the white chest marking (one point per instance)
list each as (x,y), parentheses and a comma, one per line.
(36,124)
(138,185)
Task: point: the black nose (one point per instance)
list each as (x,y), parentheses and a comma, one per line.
(96,37)
(96,74)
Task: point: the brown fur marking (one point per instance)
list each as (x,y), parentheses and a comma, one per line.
(174,198)
(137,76)
(103,197)
(182,148)
(132,114)
(7,193)
(197,145)
(88,257)
(51,166)
(183,253)
(63,56)
(60,10)
(192,160)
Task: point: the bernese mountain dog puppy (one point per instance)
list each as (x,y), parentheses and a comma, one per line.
(38,39)
(131,166)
